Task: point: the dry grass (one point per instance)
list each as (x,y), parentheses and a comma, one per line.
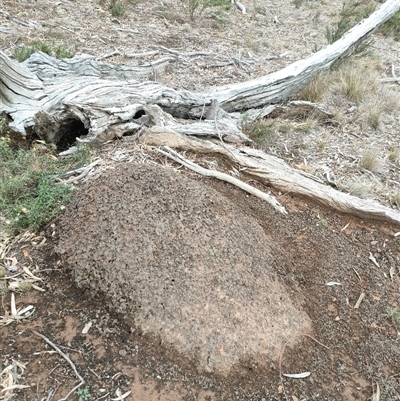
(356,187)
(370,160)
(375,105)
(394,154)
(316,88)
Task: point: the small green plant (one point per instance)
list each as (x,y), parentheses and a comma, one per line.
(43,47)
(62,52)
(22,53)
(394,314)
(195,8)
(335,33)
(117,8)
(83,394)
(29,192)
(392,27)
(262,131)
(219,15)
(352,13)
(323,223)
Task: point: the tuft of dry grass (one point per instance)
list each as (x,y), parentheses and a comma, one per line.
(385,100)
(358,79)
(352,84)
(394,154)
(370,160)
(358,188)
(316,88)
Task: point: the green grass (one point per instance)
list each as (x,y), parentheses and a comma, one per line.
(262,132)
(21,53)
(195,8)
(30,194)
(392,27)
(117,8)
(352,13)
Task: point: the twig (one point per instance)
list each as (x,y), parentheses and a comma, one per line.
(112,54)
(144,54)
(223,177)
(397,80)
(82,381)
(127,30)
(50,395)
(189,54)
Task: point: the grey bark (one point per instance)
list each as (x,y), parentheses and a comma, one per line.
(45,95)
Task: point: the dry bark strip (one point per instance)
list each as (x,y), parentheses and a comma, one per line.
(275,172)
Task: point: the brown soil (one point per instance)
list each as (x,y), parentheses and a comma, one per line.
(178,260)
(157,353)
(349,351)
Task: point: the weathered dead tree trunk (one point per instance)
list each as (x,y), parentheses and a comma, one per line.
(48,96)
(272,171)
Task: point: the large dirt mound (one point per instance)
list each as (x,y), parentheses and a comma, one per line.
(181,261)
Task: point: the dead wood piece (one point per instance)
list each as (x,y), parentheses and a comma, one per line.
(223,177)
(82,87)
(284,84)
(275,172)
(185,54)
(49,69)
(82,381)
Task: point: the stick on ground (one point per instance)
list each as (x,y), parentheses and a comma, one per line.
(67,359)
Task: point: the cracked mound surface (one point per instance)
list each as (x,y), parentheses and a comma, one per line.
(179,260)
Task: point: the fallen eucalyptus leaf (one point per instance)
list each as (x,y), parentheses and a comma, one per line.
(86,328)
(297,375)
(330,283)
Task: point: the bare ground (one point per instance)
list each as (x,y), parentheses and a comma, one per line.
(350,350)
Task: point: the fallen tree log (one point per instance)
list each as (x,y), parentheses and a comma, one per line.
(274,172)
(48,96)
